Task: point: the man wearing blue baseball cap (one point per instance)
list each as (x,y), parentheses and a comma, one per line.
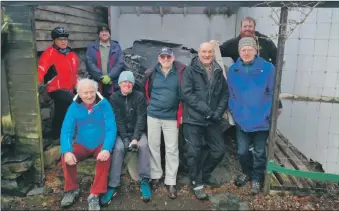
(164,114)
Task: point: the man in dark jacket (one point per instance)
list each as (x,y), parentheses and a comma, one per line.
(205,96)
(164,114)
(105,61)
(130,111)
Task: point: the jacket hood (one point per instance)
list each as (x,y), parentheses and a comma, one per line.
(98,98)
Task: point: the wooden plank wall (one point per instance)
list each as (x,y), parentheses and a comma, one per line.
(20,66)
(81,21)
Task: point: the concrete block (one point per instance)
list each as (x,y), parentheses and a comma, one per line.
(332,64)
(323,30)
(321,47)
(329,92)
(331,80)
(319,64)
(334,32)
(324,15)
(305,63)
(333,49)
(308,30)
(306,46)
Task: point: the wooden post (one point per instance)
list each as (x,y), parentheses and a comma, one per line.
(21,69)
(274,116)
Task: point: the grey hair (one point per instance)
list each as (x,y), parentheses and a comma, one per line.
(86,81)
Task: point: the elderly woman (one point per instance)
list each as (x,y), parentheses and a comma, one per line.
(251,84)
(94,119)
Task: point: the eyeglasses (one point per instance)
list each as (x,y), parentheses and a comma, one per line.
(62,38)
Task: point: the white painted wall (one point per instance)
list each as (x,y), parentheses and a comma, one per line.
(311,66)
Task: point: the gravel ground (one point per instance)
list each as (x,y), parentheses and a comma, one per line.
(129,196)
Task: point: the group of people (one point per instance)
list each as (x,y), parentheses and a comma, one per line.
(104,116)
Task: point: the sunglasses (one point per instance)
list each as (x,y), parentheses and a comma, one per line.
(165,56)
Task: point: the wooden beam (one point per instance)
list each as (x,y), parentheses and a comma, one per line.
(43,35)
(95,9)
(73,12)
(286,163)
(48,25)
(62,18)
(21,60)
(42,45)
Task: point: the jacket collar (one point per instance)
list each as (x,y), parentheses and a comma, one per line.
(197,66)
(112,45)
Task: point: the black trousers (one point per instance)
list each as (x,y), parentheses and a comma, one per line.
(62,100)
(195,137)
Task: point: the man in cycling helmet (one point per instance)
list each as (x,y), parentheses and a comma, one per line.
(57,70)
(105,61)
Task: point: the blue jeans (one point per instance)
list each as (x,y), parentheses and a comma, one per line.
(253,165)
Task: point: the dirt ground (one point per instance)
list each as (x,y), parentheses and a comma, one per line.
(228,197)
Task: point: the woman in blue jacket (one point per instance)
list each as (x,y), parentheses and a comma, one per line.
(251,84)
(93,117)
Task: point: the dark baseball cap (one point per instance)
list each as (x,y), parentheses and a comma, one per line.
(166,51)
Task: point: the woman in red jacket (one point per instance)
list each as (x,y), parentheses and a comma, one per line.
(57,69)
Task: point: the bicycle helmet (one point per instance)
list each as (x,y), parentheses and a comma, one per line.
(59,32)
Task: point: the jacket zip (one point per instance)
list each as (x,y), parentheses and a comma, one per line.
(70,66)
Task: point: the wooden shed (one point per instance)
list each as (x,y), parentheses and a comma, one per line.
(28,34)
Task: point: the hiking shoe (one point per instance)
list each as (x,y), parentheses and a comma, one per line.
(155,183)
(255,187)
(70,197)
(212,182)
(145,189)
(200,193)
(241,180)
(93,203)
(106,198)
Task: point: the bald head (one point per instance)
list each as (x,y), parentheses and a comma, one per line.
(206,53)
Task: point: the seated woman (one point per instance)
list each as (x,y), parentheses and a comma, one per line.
(94,119)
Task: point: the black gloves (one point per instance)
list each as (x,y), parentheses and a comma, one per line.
(214,117)
(132,148)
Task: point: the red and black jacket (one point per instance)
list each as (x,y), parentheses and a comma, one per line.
(150,75)
(58,69)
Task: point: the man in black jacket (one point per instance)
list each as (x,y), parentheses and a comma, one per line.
(205,96)
(130,110)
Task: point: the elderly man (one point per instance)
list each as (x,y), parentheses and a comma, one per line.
(251,85)
(94,119)
(164,114)
(105,61)
(266,47)
(205,95)
(130,110)
(58,69)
